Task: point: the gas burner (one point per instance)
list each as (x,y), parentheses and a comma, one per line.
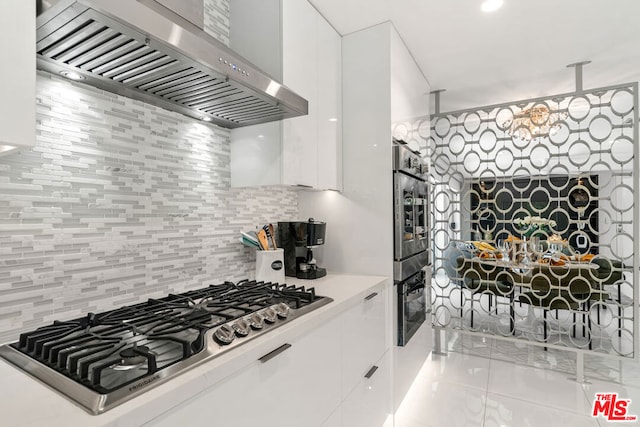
(200,306)
(132,358)
(113,356)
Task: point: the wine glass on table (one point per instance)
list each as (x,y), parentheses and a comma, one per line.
(504,247)
(538,249)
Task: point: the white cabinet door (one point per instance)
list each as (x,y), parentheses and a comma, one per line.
(300,73)
(329,47)
(306,150)
(369,404)
(364,337)
(256,154)
(299,386)
(18,73)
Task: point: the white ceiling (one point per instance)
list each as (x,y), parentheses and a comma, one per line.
(520,51)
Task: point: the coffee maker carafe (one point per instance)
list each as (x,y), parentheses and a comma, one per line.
(298,238)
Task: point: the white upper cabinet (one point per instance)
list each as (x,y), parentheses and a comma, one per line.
(18,73)
(305,54)
(300,73)
(329,106)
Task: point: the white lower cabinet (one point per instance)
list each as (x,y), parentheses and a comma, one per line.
(370,403)
(335,375)
(298,387)
(364,336)
(366,365)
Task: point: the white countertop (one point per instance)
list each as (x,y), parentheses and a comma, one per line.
(25,401)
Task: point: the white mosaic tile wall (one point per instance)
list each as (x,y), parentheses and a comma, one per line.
(216,19)
(117,202)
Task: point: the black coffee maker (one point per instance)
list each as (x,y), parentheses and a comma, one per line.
(298,238)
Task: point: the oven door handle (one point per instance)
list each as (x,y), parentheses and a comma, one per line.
(415,288)
(414,296)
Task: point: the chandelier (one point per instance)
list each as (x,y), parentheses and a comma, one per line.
(535,122)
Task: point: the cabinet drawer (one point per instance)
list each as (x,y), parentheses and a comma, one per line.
(369,404)
(293,384)
(364,336)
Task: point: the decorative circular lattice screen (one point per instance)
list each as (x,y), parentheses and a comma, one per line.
(533,210)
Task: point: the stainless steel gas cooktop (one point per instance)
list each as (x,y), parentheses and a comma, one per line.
(104,359)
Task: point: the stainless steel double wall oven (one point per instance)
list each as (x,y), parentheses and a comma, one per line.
(411,238)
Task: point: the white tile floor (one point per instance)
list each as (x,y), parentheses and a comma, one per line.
(490,383)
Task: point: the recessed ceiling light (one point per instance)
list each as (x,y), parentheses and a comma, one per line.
(72,75)
(491,5)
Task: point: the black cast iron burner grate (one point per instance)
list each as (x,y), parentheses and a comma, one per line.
(108,351)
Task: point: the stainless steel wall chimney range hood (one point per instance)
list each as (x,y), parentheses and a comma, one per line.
(143,50)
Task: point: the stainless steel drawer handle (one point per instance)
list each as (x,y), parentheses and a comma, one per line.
(371,296)
(274,353)
(371,371)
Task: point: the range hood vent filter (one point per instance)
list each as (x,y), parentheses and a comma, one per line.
(154,64)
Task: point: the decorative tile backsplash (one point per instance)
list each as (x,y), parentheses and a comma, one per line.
(117,202)
(216,19)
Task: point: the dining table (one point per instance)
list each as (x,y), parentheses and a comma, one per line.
(521,274)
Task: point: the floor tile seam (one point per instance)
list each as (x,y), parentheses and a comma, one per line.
(488,359)
(590,381)
(568,376)
(460,384)
(466,353)
(463,385)
(546,405)
(486,400)
(515,363)
(591,402)
(601,422)
(413,420)
(567,373)
(537,349)
(493,344)
(623,383)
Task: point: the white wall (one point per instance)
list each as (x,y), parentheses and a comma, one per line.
(409,88)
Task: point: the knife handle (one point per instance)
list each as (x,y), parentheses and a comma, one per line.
(262,239)
(272,233)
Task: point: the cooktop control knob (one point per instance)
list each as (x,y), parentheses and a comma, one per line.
(256,321)
(224,335)
(282,309)
(241,327)
(269,315)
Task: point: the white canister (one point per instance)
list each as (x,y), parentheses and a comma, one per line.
(270,266)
